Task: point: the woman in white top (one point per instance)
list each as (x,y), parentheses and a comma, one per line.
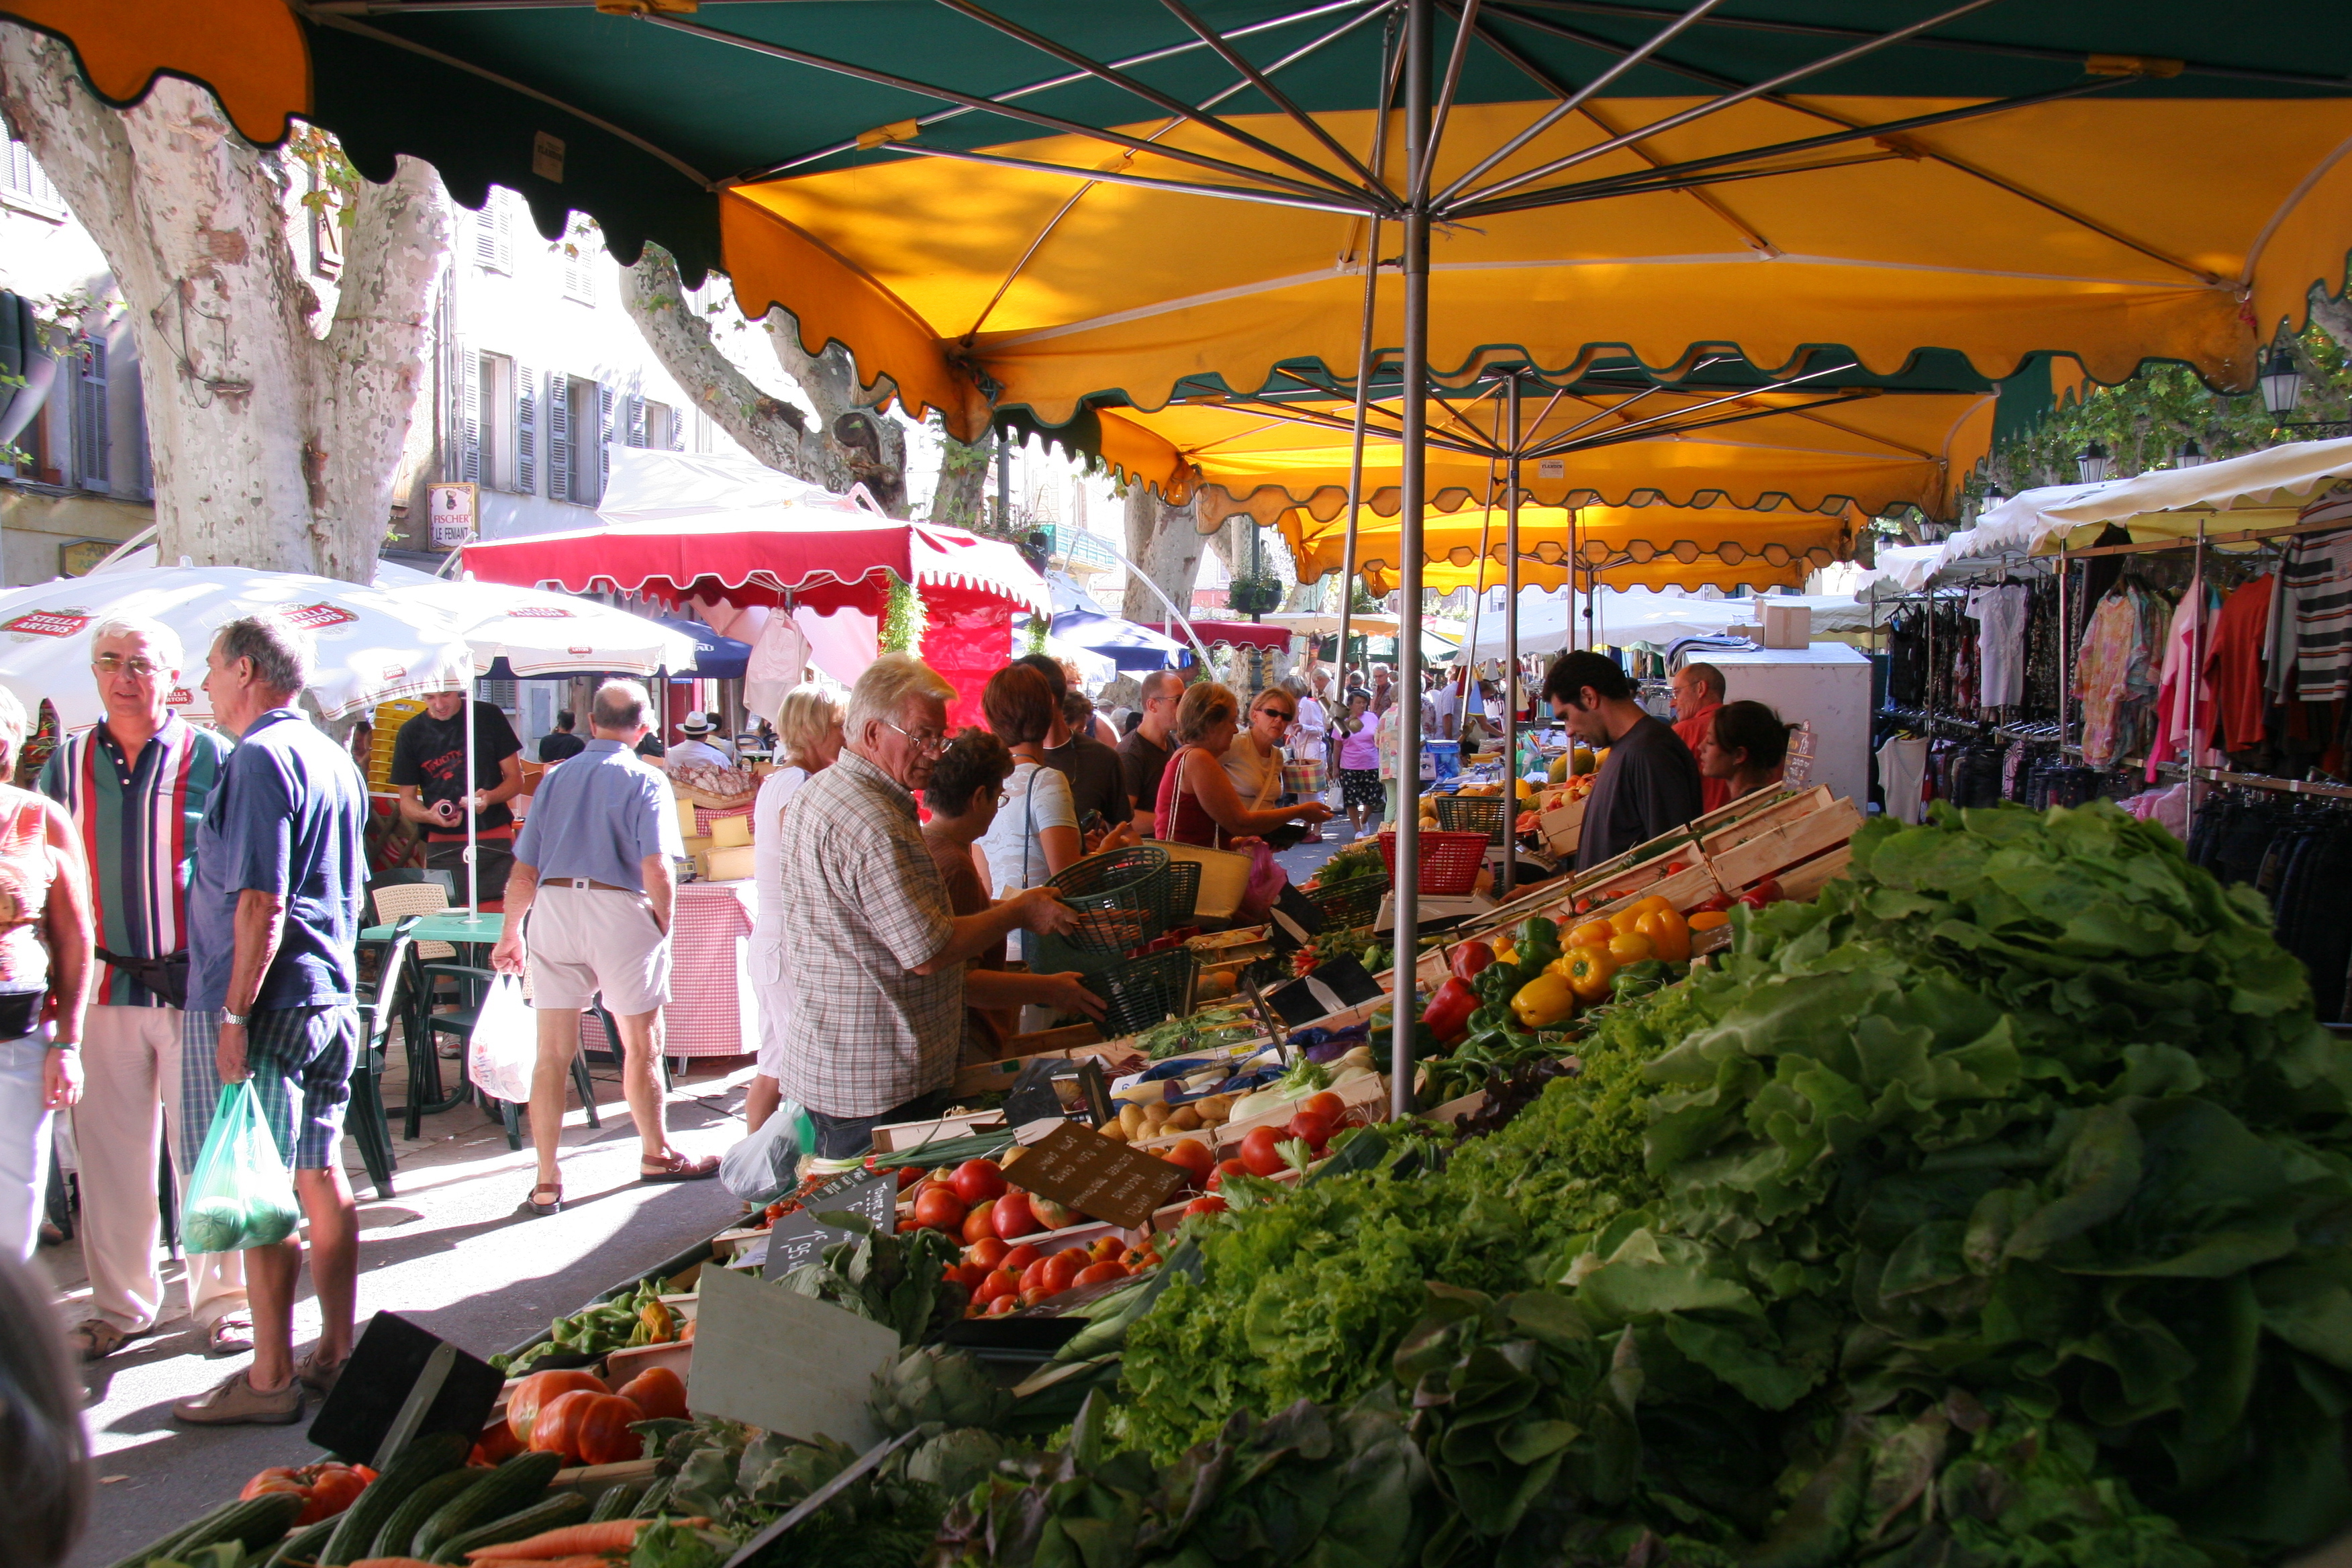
(1254,762)
(808,738)
(1310,737)
(1035,833)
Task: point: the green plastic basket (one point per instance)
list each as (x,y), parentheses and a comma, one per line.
(1141,992)
(1123,898)
(1184,891)
(1350,904)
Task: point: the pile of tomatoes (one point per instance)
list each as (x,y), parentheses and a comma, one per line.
(326,1490)
(1003,1277)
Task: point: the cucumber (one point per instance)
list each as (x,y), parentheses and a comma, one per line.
(304,1545)
(420,1505)
(564,1508)
(251,1523)
(419,1463)
(513,1485)
(615,1503)
(650,1505)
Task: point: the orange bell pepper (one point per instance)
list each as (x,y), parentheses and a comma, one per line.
(1592,933)
(1588,971)
(1668,932)
(1707,919)
(1622,923)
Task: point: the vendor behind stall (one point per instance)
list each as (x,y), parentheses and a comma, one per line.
(1650,783)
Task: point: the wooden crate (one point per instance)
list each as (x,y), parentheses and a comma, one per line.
(1562,827)
(913,1134)
(996,1076)
(1685,890)
(1808,878)
(1783,844)
(1721,838)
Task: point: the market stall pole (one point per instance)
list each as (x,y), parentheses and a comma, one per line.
(1418,151)
(1510,643)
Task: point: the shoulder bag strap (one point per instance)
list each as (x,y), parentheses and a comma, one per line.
(1176,809)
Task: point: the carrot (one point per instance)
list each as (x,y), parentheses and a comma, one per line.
(561,1562)
(573,1540)
(392,1563)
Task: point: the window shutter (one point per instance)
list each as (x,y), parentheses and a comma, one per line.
(677,427)
(468,426)
(526,428)
(90,433)
(559,436)
(603,440)
(493,245)
(633,413)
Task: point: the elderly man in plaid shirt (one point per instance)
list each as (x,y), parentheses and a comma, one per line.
(873,953)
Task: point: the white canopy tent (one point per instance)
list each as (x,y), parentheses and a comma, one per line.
(1623,616)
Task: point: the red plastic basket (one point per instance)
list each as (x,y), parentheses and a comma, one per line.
(1449,861)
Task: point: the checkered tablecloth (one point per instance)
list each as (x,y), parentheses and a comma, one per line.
(713,1011)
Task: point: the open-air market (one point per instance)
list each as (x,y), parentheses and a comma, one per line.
(1227,783)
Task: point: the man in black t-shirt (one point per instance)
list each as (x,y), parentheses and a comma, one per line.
(1143,754)
(561,743)
(428,769)
(1650,783)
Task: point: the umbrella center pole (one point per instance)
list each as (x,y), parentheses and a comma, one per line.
(1412,418)
(1510,642)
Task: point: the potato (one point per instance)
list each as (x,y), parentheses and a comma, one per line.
(1183,1118)
(1130,1121)
(1113,1131)
(1156,1116)
(1215,1111)
(1005,1160)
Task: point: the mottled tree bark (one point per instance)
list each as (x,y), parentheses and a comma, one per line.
(274,444)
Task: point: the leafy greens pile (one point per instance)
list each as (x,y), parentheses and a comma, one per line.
(1993,1208)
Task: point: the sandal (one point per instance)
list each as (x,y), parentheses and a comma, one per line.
(95,1339)
(555,1204)
(229,1335)
(675,1167)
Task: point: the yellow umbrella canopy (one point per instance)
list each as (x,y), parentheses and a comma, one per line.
(1029,204)
(1613,441)
(1622,547)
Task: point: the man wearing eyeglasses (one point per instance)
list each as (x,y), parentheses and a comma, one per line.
(135,784)
(873,953)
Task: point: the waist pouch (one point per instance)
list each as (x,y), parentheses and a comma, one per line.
(166,977)
(20,1012)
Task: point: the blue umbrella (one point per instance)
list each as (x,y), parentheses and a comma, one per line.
(715,658)
(1081,621)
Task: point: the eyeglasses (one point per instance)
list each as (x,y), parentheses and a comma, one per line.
(115,664)
(934,742)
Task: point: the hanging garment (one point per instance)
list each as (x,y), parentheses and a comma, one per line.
(2115,674)
(1998,610)
(2316,590)
(1902,777)
(2181,699)
(2233,665)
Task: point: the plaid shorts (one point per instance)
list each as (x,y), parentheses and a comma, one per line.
(301,1060)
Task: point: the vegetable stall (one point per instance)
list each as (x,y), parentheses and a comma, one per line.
(1982,1200)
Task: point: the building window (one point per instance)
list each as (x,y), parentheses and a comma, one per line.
(493,239)
(583,255)
(495,423)
(665,431)
(22,183)
(582,426)
(91,436)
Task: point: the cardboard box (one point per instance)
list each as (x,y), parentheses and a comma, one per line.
(726,865)
(1787,626)
(731,832)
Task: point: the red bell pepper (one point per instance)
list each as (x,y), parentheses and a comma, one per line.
(1469,958)
(1767,891)
(1715,905)
(1448,1013)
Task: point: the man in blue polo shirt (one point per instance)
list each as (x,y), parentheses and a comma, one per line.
(273,914)
(594,871)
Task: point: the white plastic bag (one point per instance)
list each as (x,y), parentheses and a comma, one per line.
(504,1046)
(765,1166)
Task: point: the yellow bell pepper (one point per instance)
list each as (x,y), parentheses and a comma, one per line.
(1592,934)
(1631,947)
(1668,932)
(1506,952)
(1588,971)
(1654,902)
(1544,1001)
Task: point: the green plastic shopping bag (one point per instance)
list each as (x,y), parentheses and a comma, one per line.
(240,1195)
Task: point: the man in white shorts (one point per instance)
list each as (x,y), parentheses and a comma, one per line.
(594,871)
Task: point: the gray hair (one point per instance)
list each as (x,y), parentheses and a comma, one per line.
(13,724)
(1151,686)
(159,638)
(280,650)
(619,705)
(884,687)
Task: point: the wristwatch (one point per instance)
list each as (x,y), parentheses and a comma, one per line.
(242,1020)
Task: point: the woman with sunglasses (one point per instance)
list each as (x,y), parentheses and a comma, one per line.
(1254,759)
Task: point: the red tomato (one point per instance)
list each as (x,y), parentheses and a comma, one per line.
(326,1488)
(1326,1105)
(557,1429)
(1261,1152)
(1062,1269)
(977,1179)
(1106,1250)
(1097,1273)
(1031,1298)
(1000,1282)
(1020,1257)
(1003,1304)
(495,1445)
(980,1222)
(939,1209)
(1227,1168)
(1209,1202)
(1316,1130)
(1014,1218)
(988,1252)
(658,1392)
(908,1175)
(535,1391)
(1035,1277)
(1194,1156)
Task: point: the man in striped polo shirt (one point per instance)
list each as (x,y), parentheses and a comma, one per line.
(135,786)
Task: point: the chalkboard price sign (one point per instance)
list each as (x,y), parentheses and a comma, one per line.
(798,1238)
(1085,1171)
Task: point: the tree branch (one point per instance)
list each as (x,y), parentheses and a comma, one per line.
(770,428)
